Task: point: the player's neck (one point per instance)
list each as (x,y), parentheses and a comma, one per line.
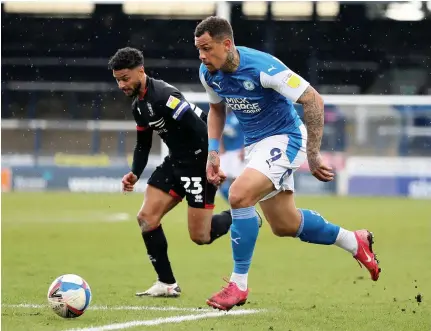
(143,88)
(232,61)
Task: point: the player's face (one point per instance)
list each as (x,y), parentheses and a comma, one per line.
(212,53)
(129,80)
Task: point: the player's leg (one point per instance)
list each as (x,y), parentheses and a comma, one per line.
(224,188)
(245,192)
(232,165)
(288,221)
(225,166)
(204,227)
(159,200)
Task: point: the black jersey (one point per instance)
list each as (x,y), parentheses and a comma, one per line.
(180,124)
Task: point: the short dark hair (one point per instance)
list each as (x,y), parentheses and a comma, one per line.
(216,27)
(126,58)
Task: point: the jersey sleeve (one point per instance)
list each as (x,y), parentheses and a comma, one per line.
(174,105)
(144,140)
(283,80)
(190,116)
(213,97)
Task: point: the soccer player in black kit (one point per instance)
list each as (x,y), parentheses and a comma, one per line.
(158,106)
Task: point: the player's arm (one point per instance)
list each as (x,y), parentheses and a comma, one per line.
(216,122)
(297,89)
(216,116)
(313,106)
(144,140)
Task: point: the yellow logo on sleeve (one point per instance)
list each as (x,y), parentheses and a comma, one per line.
(293,81)
(172,102)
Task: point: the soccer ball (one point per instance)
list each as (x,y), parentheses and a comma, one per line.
(69,296)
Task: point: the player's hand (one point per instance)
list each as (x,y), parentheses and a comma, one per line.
(128,181)
(318,169)
(222,177)
(213,168)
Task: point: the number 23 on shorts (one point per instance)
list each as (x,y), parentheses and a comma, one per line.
(194,182)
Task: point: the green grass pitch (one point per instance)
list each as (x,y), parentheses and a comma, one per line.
(294,285)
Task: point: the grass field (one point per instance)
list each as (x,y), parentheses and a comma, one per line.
(294,286)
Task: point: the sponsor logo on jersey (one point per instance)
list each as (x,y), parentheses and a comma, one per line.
(292,80)
(173,102)
(244,105)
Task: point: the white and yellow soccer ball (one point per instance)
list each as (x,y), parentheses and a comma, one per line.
(69,296)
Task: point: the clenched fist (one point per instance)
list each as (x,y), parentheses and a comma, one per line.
(128,181)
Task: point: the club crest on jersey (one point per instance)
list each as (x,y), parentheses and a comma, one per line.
(172,102)
(292,80)
(248,85)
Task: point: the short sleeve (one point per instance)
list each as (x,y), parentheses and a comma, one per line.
(212,95)
(276,75)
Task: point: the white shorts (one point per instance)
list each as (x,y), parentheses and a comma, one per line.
(278,157)
(231,163)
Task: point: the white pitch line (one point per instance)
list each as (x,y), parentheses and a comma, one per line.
(149,308)
(166,320)
(30,305)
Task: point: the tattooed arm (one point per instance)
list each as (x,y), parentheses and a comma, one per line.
(313,118)
(313,106)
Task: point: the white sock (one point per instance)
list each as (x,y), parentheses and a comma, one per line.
(346,240)
(240,280)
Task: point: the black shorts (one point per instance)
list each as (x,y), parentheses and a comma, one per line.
(185,179)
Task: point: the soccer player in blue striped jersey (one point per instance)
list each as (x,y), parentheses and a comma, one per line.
(261,90)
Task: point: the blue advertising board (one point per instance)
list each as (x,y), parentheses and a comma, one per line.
(412,187)
(389,176)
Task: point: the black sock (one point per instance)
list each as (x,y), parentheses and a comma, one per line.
(157,249)
(220,224)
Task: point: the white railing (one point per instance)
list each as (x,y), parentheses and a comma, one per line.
(360,110)
(349,100)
